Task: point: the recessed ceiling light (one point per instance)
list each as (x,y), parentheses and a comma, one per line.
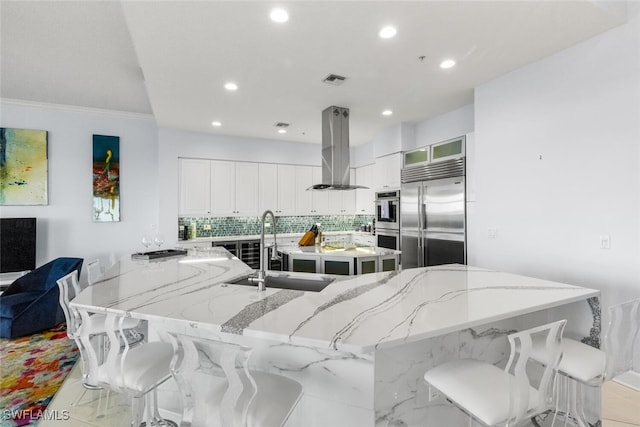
(216,124)
(231,86)
(279,15)
(282,131)
(387,32)
(447,63)
(387,112)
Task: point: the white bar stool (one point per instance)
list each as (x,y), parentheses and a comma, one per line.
(495,397)
(583,365)
(218,388)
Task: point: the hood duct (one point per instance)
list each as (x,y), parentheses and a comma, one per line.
(335,151)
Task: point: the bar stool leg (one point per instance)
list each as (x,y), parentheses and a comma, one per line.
(580,416)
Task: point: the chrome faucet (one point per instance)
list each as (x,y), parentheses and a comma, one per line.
(262,273)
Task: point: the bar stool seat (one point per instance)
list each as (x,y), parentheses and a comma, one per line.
(475,387)
(579,361)
(144,366)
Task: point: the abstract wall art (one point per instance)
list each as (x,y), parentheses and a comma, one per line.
(23,167)
(106,178)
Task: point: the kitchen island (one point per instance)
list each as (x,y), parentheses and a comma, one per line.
(339,258)
(360,346)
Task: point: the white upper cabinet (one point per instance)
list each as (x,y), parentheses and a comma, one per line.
(304,198)
(247,186)
(320,198)
(286,190)
(268,187)
(365,199)
(310,202)
(277,188)
(343,202)
(226,188)
(223,188)
(387,172)
(194,187)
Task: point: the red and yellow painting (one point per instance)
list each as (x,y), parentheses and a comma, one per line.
(23,167)
(106,178)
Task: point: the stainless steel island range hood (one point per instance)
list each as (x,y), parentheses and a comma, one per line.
(335,151)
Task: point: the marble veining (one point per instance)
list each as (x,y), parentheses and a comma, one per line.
(253,311)
(359,315)
(343,297)
(594,334)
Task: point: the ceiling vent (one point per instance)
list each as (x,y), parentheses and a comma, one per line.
(334,79)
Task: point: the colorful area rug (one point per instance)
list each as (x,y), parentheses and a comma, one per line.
(32,368)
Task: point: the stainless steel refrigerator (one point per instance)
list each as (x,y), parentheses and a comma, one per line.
(432,214)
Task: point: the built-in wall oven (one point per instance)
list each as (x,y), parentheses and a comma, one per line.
(388,219)
(388,209)
(389,239)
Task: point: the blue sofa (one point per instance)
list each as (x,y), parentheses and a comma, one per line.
(30,304)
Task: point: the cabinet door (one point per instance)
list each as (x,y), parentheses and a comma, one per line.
(334,202)
(349,196)
(268,187)
(194,187)
(286,190)
(365,199)
(247,183)
(343,202)
(320,198)
(387,171)
(223,188)
(304,198)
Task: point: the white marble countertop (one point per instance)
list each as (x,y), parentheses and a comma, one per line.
(348,251)
(356,315)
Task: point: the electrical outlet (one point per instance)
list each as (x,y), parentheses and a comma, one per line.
(492,232)
(605,241)
(206,227)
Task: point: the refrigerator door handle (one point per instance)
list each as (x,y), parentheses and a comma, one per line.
(423,231)
(422,221)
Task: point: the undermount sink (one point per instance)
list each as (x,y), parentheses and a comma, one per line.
(311,284)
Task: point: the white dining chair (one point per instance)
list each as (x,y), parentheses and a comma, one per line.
(502,397)
(584,365)
(231,394)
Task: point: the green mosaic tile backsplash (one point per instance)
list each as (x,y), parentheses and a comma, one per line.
(246,226)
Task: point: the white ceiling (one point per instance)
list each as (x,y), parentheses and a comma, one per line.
(171,59)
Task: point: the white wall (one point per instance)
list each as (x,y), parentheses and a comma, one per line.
(558,165)
(176,143)
(65,225)
(387,141)
(445,126)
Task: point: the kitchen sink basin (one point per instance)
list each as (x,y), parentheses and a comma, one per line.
(311,284)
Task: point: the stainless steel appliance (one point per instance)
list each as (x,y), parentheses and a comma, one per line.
(389,239)
(388,210)
(388,219)
(433,219)
(335,150)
